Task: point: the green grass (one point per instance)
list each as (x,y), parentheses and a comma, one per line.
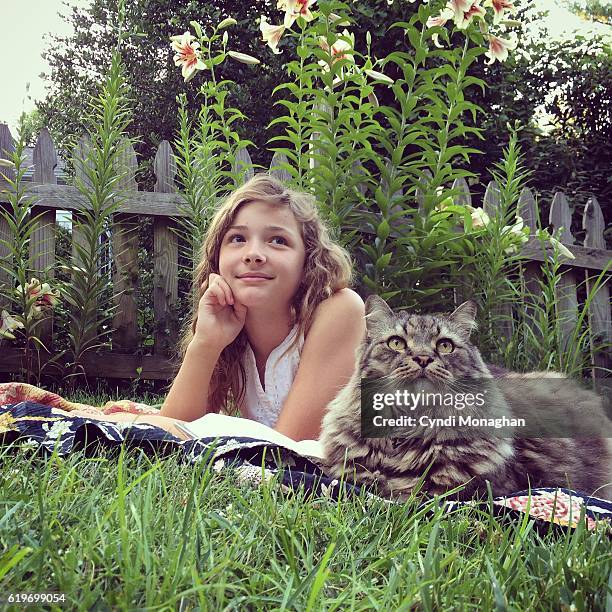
(125,531)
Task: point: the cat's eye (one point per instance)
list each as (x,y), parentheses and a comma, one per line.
(445,346)
(396,343)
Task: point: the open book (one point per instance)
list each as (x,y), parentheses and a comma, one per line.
(214,425)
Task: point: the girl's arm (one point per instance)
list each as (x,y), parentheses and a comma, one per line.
(220,319)
(326,364)
(188,396)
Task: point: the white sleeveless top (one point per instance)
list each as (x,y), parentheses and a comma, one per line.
(265,406)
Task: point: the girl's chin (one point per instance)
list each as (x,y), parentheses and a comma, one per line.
(251,296)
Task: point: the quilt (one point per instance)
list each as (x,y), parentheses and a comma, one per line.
(33,417)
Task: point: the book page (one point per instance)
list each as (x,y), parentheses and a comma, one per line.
(214,425)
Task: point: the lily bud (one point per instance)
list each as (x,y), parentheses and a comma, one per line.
(243,57)
(226,23)
(379,76)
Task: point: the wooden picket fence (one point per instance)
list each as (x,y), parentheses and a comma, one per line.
(163,205)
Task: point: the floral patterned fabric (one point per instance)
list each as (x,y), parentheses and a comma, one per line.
(33,418)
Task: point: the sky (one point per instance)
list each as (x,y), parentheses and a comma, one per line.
(22,44)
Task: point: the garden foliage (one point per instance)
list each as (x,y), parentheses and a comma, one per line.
(387,158)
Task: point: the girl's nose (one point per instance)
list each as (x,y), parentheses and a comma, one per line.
(253,256)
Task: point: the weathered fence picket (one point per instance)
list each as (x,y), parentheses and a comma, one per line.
(527,210)
(164,206)
(42,245)
(560,218)
(165,258)
(599,306)
(125,254)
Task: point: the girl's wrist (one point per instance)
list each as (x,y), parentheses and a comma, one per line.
(202,345)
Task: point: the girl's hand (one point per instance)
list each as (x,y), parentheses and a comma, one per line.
(220,316)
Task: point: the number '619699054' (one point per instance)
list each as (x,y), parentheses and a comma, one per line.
(31,598)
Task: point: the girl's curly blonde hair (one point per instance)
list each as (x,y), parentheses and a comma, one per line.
(327,269)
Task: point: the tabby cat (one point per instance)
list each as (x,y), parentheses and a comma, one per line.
(435,351)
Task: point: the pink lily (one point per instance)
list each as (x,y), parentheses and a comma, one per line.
(337,50)
(499,47)
(271,33)
(463,17)
(44,297)
(499,7)
(294,9)
(187,55)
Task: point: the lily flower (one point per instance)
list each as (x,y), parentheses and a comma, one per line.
(439,21)
(9,325)
(187,55)
(464,16)
(337,50)
(499,47)
(294,9)
(499,8)
(44,297)
(517,233)
(480,218)
(271,33)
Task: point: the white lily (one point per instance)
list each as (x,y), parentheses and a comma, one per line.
(294,9)
(499,8)
(338,49)
(463,16)
(271,33)
(499,47)
(9,325)
(187,54)
(480,218)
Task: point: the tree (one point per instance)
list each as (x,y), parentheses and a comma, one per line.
(78,62)
(561,91)
(592,10)
(568,82)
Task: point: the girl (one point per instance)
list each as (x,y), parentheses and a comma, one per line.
(275,326)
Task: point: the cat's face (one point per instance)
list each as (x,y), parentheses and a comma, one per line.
(412,347)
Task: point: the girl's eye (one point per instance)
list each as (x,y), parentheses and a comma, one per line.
(396,343)
(233,236)
(280,238)
(445,346)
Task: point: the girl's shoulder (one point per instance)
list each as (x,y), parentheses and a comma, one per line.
(344,304)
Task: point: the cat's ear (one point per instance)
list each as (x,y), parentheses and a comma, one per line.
(464,317)
(377,314)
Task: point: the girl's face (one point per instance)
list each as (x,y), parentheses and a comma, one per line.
(263,240)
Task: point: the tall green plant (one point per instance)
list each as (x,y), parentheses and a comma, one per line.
(489,270)
(25,295)
(89,291)
(206,146)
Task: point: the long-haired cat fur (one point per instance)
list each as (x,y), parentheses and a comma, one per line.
(436,350)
